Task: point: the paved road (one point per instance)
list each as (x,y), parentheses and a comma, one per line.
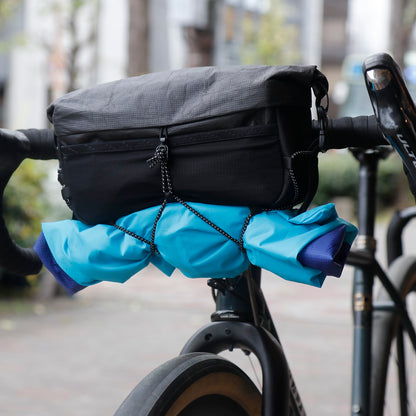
(81,356)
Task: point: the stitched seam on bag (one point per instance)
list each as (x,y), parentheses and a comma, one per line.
(224,135)
(131,131)
(239,133)
(120,146)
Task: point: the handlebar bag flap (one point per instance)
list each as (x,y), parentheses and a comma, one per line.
(238,135)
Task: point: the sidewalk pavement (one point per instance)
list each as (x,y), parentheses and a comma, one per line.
(82,356)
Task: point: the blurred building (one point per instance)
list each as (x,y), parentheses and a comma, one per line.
(33,65)
(33,69)
(367,31)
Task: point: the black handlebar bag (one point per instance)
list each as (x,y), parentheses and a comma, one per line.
(237,135)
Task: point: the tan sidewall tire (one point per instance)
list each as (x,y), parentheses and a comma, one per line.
(225,384)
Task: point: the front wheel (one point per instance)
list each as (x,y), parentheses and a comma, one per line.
(196,384)
(393,378)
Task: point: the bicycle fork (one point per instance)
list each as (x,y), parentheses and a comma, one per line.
(242,320)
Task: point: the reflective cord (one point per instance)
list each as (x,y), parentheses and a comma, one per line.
(161,157)
(153,247)
(134,235)
(206,220)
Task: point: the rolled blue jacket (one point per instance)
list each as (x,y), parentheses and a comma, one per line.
(303,248)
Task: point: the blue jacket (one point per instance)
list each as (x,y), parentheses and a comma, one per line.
(304,248)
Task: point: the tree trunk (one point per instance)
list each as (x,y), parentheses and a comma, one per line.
(403,15)
(138,37)
(201,40)
(200,46)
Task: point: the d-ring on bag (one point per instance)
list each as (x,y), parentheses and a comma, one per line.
(237,136)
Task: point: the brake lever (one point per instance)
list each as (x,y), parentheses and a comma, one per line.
(393,106)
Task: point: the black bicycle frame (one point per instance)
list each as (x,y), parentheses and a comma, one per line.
(366,268)
(242,319)
(395,230)
(364,280)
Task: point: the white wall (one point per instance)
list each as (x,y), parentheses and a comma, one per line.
(25,94)
(368,26)
(30,69)
(112,40)
(311,31)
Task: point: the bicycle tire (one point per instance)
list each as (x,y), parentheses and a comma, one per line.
(385,330)
(195,384)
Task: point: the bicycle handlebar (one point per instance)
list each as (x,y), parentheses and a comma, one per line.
(42,144)
(394,120)
(341,133)
(15,146)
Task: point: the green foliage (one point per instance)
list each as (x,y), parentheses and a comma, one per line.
(7,9)
(65,7)
(409,13)
(25,204)
(271,40)
(338,177)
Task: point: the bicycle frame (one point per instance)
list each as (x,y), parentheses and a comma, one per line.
(238,323)
(394,233)
(366,268)
(242,319)
(364,280)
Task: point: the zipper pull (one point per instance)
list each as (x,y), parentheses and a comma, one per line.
(161,151)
